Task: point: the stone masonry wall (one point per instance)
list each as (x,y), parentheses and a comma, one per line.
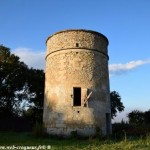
(76,58)
(77,38)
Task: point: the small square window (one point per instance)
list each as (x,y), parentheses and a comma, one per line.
(77,44)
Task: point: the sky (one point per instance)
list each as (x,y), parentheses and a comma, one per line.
(26,24)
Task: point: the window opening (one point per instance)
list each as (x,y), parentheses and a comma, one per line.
(77,44)
(77,96)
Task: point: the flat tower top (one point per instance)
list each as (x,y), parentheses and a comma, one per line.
(78,30)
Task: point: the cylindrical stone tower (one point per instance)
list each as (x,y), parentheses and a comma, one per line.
(77,95)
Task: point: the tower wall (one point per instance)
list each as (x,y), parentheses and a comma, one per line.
(77,83)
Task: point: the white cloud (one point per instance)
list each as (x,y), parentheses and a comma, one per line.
(35,59)
(116,69)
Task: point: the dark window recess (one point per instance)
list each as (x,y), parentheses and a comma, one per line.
(77,44)
(77,96)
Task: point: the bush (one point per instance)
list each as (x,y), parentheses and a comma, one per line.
(39,131)
(14,123)
(74,134)
(120,129)
(99,134)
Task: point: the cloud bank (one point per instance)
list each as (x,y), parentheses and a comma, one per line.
(118,69)
(35,59)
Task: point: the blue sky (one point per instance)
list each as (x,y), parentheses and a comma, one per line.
(26,24)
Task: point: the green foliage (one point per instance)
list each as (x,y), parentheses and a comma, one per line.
(128,131)
(12,81)
(74,144)
(137,117)
(116,104)
(147,117)
(99,134)
(74,134)
(36,80)
(18,83)
(38,130)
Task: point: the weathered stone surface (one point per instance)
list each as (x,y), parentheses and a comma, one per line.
(77,58)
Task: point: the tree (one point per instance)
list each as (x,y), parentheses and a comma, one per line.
(116,104)
(12,81)
(18,83)
(36,79)
(147,117)
(136,117)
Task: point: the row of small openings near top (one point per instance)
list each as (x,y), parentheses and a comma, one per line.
(76,45)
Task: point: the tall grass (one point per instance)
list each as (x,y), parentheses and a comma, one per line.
(11,138)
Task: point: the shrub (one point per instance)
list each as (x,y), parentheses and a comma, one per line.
(119,130)
(74,134)
(39,131)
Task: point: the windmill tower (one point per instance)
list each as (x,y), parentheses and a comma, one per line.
(77,95)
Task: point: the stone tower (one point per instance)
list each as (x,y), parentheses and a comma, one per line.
(77,95)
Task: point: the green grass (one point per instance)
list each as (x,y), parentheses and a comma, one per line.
(27,139)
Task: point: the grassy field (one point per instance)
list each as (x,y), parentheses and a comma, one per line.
(28,141)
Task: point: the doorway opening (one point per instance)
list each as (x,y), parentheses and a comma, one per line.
(77,96)
(108,122)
